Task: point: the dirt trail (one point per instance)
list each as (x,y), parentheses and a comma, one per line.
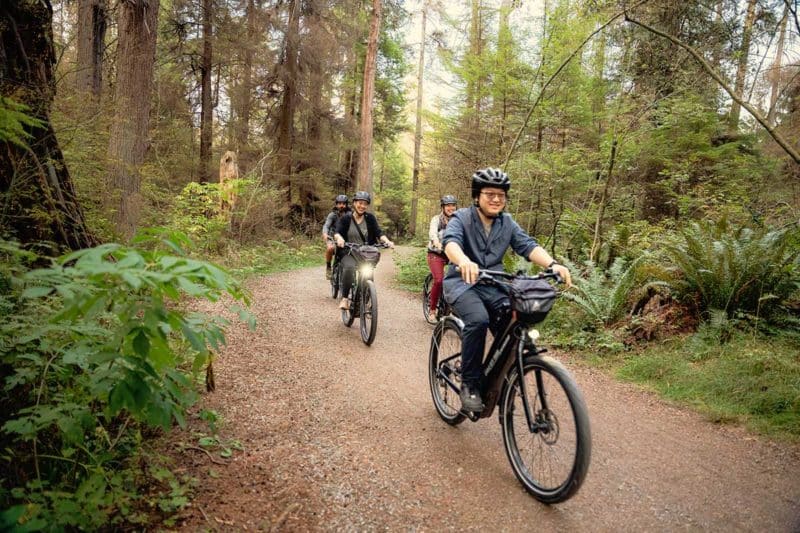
(340,436)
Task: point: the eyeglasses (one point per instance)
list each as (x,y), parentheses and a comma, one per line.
(494,195)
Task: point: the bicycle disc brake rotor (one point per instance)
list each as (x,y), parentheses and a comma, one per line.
(547,422)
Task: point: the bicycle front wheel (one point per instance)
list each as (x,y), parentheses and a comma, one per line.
(369,313)
(550,456)
(348,315)
(444,370)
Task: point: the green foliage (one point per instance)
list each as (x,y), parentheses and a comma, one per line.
(14,120)
(412,270)
(602,296)
(735,269)
(751,379)
(197,215)
(93,350)
(274,256)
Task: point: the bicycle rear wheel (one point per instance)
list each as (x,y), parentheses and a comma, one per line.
(551,458)
(426,300)
(444,370)
(369,313)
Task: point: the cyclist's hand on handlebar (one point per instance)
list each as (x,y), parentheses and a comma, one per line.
(339,241)
(390,244)
(563,271)
(469,271)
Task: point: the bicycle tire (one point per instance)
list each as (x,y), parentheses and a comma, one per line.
(348,316)
(426,299)
(368,323)
(444,363)
(335,282)
(561,447)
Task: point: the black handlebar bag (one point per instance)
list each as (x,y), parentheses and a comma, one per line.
(532,299)
(367,253)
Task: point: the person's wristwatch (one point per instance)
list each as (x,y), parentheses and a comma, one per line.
(553,263)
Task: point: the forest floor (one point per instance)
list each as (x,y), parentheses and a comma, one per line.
(340,436)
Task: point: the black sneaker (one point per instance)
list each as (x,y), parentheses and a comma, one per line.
(471,398)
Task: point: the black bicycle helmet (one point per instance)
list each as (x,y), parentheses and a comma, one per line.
(448,199)
(342,198)
(362,195)
(489,177)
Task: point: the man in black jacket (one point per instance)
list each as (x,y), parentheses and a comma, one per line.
(358,227)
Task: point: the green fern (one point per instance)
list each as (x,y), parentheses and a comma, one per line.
(735,269)
(603,296)
(14,121)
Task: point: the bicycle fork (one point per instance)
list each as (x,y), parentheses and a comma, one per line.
(537,422)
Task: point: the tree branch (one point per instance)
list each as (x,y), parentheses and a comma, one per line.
(788,148)
(553,76)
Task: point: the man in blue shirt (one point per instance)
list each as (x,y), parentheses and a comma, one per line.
(477,237)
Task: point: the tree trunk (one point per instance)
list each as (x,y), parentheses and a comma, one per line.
(38,203)
(243,115)
(775,75)
(287,110)
(741,68)
(206,107)
(598,225)
(136,25)
(350,162)
(472,88)
(365,152)
(91,34)
(412,225)
(504,63)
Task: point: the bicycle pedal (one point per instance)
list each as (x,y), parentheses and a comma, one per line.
(471,415)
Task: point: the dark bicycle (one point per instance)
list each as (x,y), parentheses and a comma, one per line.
(336,274)
(363,294)
(543,417)
(442,309)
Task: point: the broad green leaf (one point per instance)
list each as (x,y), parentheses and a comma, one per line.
(141,344)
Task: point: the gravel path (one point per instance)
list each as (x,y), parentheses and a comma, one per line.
(340,436)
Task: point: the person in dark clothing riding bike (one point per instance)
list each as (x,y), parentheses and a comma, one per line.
(358,227)
(477,237)
(329,228)
(436,258)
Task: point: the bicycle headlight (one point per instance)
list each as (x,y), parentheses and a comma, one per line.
(366,270)
(533,334)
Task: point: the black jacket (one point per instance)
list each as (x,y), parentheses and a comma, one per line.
(373,230)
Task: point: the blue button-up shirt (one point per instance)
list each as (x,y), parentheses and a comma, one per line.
(466,230)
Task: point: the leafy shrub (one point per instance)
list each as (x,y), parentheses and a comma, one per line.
(740,269)
(603,296)
(196,214)
(94,350)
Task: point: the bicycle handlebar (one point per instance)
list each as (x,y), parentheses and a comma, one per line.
(356,245)
(486,275)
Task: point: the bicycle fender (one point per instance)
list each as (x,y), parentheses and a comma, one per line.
(450,318)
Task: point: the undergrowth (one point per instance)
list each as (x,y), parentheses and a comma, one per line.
(97,355)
